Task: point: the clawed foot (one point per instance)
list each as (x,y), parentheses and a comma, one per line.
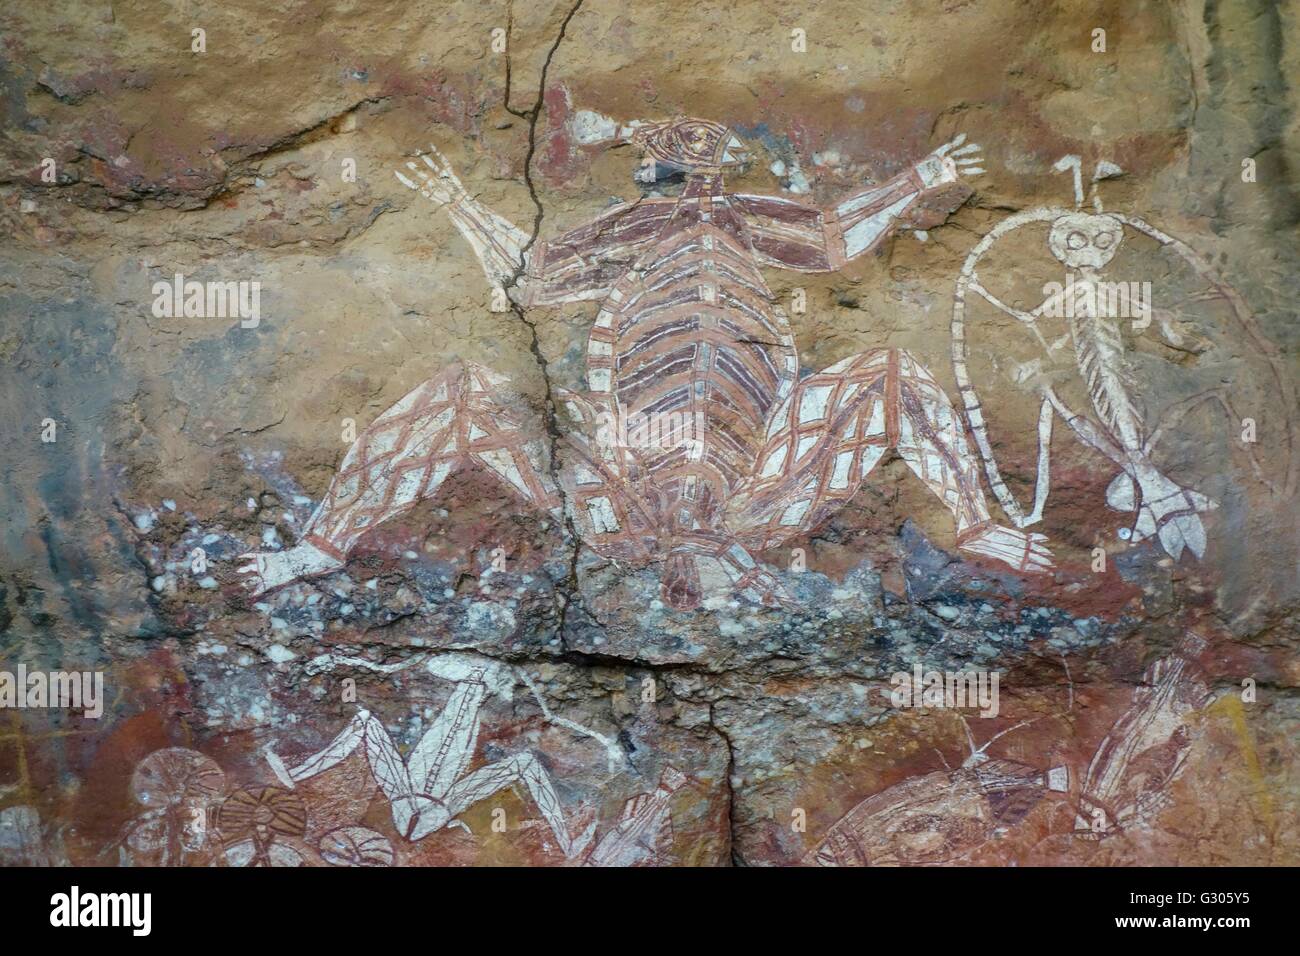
(268,570)
(1024,552)
(1163,509)
(1181,531)
(438,184)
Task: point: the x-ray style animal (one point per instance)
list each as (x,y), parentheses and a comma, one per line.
(1085,243)
(945,815)
(643,835)
(687,327)
(1128,780)
(941,816)
(432,785)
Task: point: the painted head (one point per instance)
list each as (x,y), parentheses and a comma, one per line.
(684,145)
(1085,241)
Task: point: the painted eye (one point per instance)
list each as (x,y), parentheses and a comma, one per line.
(1103,240)
(1076,240)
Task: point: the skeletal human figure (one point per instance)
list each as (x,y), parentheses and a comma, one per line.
(687,327)
(429,788)
(1085,243)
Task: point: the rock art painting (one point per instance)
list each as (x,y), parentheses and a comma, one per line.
(941,816)
(1085,243)
(606,435)
(430,787)
(689,330)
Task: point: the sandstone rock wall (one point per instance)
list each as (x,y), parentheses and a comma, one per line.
(1147,708)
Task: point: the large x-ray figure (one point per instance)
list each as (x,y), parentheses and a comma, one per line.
(687,326)
(429,788)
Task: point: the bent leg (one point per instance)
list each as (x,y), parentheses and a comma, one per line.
(365,731)
(930,439)
(821,442)
(444,751)
(404,457)
(833,430)
(526,769)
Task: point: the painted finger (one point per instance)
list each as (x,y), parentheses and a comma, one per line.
(444,168)
(952,144)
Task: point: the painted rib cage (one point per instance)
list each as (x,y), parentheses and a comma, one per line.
(697,335)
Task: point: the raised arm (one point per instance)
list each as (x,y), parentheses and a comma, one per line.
(792,235)
(579,265)
(498,243)
(584,263)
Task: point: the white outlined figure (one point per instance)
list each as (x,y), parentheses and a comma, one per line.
(1086,242)
(687,325)
(432,785)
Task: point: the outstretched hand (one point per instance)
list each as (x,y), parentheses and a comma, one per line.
(440,184)
(950,162)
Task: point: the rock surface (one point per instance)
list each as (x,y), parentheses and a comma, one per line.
(1146,709)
